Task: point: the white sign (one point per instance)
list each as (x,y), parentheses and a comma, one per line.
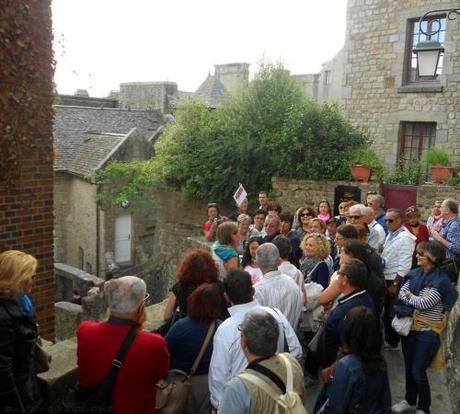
(240,195)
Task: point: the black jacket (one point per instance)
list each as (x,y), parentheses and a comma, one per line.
(18,335)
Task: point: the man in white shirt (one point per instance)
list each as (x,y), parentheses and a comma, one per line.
(277,290)
(397,254)
(228,357)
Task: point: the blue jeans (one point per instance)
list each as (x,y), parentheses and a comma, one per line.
(419,349)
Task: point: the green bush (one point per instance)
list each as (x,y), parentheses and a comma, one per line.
(406,173)
(270,128)
(437,156)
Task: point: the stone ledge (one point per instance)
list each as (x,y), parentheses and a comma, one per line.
(420,89)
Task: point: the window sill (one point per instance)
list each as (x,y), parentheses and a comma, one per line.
(420,88)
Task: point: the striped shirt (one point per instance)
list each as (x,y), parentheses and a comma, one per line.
(428,301)
(277,290)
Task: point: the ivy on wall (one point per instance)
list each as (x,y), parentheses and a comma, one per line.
(26,84)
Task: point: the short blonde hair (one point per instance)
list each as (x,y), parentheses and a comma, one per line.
(243,218)
(324,247)
(16,268)
(225,231)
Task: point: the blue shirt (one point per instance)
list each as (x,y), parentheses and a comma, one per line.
(380,218)
(184,341)
(450,231)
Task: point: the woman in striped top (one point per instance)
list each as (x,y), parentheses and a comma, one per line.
(426,295)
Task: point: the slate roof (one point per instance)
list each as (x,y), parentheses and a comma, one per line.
(85,136)
(212,91)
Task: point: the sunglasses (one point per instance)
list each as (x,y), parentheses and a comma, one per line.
(305,215)
(421,254)
(354,217)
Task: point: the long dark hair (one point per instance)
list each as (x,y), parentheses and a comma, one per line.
(247,258)
(363,338)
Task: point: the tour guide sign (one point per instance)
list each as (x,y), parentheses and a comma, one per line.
(240,195)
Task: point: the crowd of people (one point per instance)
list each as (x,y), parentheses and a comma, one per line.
(290,299)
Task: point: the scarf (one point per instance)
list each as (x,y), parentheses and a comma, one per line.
(307,267)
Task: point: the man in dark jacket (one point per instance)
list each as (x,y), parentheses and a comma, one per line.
(353,282)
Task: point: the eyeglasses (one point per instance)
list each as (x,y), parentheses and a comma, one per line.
(146,297)
(389,220)
(354,217)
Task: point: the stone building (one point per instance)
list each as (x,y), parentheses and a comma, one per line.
(164,96)
(380,89)
(88,234)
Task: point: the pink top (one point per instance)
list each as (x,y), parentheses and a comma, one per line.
(324,217)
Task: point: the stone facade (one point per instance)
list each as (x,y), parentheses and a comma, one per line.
(292,193)
(234,76)
(376,94)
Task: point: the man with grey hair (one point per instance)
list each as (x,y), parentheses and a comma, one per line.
(359,214)
(147,360)
(277,290)
(376,201)
(259,338)
(449,237)
(272,228)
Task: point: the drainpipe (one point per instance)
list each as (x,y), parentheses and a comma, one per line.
(98,231)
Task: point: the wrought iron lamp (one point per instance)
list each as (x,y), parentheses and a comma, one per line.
(428,52)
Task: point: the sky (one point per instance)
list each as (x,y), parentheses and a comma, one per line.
(99,44)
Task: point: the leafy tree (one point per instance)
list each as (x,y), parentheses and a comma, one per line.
(270,128)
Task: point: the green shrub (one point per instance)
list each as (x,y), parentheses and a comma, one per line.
(363,155)
(407,173)
(270,128)
(436,156)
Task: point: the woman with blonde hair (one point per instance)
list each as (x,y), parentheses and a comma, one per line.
(18,333)
(317,263)
(243,222)
(224,250)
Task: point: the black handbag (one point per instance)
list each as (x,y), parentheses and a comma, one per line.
(99,398)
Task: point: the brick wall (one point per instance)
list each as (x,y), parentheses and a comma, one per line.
(26,203)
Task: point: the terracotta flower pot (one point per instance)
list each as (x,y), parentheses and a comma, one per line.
(361,172)
(440,173)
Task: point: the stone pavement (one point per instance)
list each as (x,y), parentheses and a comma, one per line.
(440,402)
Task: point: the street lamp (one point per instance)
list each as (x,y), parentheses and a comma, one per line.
(428,52)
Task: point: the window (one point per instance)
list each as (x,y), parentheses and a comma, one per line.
(415,36)
(415,137)
(123,239)
(327,77)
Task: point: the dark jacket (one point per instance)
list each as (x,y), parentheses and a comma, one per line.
(352,388)
(18,335)
(435,278)
(332,336)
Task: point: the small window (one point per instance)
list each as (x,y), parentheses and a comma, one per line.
(415,137)
(327,77)
(429,25)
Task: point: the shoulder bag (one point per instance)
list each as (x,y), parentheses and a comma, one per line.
(173,390)
(99,398)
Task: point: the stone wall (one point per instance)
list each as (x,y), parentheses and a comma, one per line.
(375,93)
(154,95)
(330,79)
(234,76)
(162,221)
(73,100)
(292,194)
(76,222)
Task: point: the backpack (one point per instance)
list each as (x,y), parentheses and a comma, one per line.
(287,403)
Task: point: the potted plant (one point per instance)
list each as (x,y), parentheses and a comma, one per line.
(364,162)
(439,161)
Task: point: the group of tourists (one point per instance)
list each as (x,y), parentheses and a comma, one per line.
(288,299)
